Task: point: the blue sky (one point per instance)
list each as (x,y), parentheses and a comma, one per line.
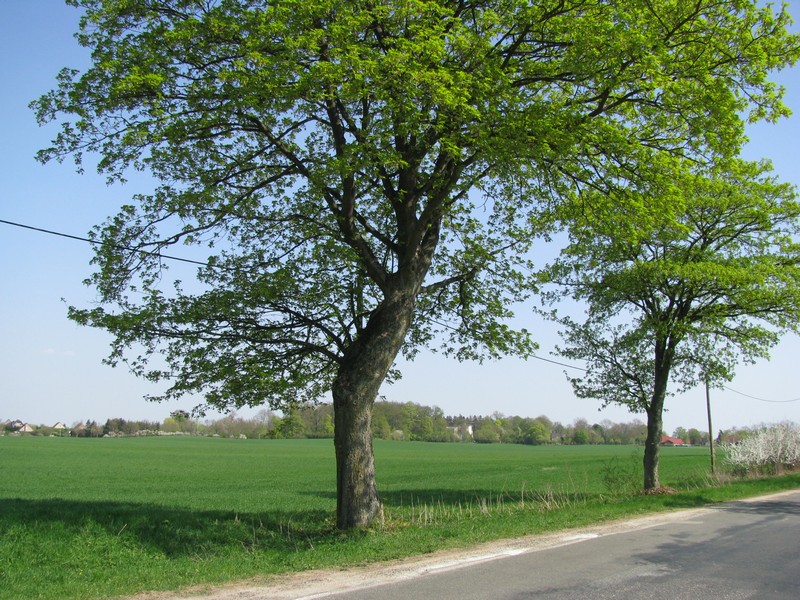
(50,369)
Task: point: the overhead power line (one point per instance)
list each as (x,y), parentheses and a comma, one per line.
(95,242)
(203,264)
(560,364)
(760,399)
(195,262)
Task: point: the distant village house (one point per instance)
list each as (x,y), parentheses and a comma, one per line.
(671,441)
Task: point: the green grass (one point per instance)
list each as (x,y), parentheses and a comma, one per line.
(83,518)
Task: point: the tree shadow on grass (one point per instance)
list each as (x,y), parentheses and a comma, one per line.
(402,498)
(414,497)
(485,500)
(175,532)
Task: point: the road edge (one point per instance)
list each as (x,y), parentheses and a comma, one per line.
(321,583)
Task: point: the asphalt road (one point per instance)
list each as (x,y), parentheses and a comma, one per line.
(733,551)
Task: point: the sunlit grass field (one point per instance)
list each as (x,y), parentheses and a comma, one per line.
(101,517)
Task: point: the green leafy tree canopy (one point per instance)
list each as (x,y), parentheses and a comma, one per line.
(682,288)
(364,175)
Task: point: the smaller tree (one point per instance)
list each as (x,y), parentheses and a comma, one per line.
(179,421)
(582,433)
(681,433)
(697,437)
(537,433)
(681,282)
(263,421)
(487,431)
(380,427)
(580,437)
(92,429)
(292,426)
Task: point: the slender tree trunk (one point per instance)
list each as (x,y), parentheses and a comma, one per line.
(664,352)
(650,462)
(357,383)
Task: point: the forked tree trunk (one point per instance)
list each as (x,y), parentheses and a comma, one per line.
(357,383)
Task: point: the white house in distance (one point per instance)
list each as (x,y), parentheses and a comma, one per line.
(18,426)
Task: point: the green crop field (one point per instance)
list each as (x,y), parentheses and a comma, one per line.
(102,517)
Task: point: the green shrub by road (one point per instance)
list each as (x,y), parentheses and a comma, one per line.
(102,517)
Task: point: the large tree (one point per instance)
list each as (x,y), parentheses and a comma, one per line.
(364,174)
(679,286)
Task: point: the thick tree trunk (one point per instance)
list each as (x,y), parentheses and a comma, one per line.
(358,503)
(357,383)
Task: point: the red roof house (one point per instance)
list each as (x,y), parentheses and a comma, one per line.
(671,441)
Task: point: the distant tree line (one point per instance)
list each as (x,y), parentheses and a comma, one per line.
(406,421)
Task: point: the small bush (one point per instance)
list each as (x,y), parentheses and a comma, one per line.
(768,451)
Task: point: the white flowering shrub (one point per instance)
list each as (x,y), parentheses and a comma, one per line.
(769,450)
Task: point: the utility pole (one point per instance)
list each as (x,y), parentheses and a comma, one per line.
(710,430)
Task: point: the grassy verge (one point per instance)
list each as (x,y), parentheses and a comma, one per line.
(98,518)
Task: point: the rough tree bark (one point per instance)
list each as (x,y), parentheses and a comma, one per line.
(664,352)
(357,383)
(650,461)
